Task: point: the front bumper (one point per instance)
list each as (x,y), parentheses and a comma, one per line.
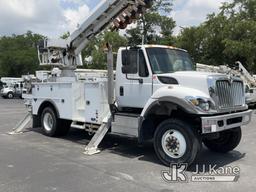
(219,123)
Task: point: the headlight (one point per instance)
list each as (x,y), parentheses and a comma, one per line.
(205,105)
(200,103)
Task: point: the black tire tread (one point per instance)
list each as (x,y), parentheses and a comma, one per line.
(11,94)
(191,136)
(231,143)
(61,126)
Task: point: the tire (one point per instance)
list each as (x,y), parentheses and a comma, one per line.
(10,95)
(52,125)
(36,121)
(65,127)
(227,141)
(174,134)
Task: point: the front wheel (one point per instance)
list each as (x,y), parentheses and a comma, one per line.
(10,95)
(176,142)
(225,142)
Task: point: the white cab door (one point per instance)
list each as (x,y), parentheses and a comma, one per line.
(136,87)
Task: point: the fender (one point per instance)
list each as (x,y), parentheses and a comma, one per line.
(174,95)
(47,102)
(7,90)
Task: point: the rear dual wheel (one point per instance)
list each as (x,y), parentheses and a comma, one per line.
(52,125)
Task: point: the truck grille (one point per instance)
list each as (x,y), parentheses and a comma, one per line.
(230,94)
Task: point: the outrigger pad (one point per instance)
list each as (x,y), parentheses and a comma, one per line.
(21,125)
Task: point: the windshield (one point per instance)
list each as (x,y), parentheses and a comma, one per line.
(164,60)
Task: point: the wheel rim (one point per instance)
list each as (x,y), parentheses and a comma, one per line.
(174,144)
(10,96)
(48,122)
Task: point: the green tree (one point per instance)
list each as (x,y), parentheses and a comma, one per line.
(65,35)
(155,26)
(240,41)
(18,54)
(225,37)
(190,40)
(95,49)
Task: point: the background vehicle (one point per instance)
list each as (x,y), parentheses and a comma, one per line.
(13,87)
(155,95)
(13,90)
(2,85)
(10,80)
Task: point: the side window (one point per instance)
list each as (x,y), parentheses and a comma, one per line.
(129,61)
(134,62)
(143,69)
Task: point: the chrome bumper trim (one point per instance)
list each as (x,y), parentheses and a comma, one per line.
(219,123)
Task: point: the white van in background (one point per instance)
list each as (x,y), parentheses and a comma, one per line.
(12,90)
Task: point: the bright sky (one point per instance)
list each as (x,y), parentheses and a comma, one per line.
(54,17)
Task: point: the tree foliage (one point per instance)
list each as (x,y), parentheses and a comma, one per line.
(155,26)
(222,39)
(225,37)
(96,48)
(18,54)
(65,35)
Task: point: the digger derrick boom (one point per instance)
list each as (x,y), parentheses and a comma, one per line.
(67,53)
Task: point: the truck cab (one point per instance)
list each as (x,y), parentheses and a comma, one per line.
(143,70)
(151,71)
(177,105)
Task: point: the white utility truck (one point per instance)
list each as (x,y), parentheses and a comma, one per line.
(10,80)
(13,87)
(155,93)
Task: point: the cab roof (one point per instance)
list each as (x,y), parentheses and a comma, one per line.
(157,46)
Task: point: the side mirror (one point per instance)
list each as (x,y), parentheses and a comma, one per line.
(128,69)
(125,69)
(129,62)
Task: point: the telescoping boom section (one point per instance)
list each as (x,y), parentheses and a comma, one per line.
(114,13)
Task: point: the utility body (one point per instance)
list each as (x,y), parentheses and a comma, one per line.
(155,94)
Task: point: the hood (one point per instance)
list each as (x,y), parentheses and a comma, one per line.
(8,89)
(193,79)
